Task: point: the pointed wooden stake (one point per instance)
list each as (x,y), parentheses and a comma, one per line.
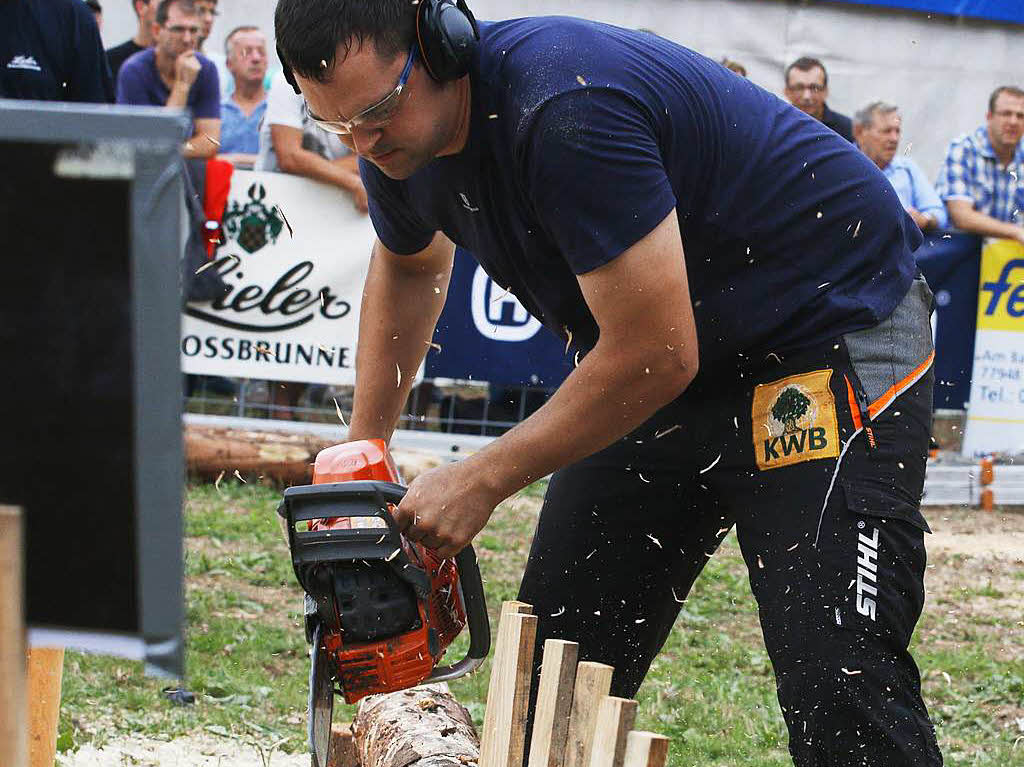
(615,719)
(646,749)
(593,681)
(554,703)
(508,696)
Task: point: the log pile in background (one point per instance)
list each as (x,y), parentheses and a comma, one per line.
(282,457)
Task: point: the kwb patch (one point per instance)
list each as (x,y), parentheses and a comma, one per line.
(794,420)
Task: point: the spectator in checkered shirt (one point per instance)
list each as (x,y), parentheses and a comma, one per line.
(980,181)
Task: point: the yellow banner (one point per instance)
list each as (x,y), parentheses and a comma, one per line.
(1001,288)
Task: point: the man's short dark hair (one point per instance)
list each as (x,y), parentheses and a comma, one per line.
(235,31)
(93,5)
(806,64)
(1013,90)
(164,9)
(309,32)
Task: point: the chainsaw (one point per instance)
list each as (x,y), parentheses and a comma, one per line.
(380,610)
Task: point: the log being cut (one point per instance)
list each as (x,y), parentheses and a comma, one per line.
(422,727)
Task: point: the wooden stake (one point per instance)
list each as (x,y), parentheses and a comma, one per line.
(554,703)
(45,673)
(504,737)
(593,681)
(615,719)
(13,745)
(646,749)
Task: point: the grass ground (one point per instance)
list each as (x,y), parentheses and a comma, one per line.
(711,690)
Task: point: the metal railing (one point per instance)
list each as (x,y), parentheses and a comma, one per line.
(441,405)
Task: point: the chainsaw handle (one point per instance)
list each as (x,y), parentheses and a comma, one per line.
(472,588)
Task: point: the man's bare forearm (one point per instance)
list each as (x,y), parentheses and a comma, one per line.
(303,162)
(965,217)
(401,304)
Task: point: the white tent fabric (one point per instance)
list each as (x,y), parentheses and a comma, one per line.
(940,70)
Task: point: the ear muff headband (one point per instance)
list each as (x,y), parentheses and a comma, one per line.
(447,33)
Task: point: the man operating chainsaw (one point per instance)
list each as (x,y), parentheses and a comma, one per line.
(753,343)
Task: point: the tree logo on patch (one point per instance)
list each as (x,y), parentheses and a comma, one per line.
(794,420)
(253,224)
(793,410)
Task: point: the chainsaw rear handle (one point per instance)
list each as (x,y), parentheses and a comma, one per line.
(472,587)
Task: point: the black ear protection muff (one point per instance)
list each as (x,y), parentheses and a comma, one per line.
(446,33)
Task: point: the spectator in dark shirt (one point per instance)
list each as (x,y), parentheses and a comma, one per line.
(173,74)
(97,12)
(143,39)
(50,50)
(807,90)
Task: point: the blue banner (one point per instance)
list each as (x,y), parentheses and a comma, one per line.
(485,334)
(996,10)
(950,263)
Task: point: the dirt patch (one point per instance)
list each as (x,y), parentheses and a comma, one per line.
(190,751)
(986,534)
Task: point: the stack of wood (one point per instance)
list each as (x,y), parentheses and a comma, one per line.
(282,457)
(576,724)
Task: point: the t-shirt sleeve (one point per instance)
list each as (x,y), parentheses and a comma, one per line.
(593,170)
(397,225)
(90,79)
(284,105)
(207,102)
(130,88)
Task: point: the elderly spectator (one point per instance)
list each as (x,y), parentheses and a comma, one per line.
(877,129)
(173,74)
(143,38)
(807,90)
(50,50)
(291,142)
(979,180)
(242,112)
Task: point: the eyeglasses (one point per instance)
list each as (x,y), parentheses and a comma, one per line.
(813,88)
(179,29)
(375,116)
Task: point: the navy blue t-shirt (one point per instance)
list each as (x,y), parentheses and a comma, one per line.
(50,50)
(585,136)
(139,82)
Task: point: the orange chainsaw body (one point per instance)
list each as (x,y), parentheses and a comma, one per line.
(404,660)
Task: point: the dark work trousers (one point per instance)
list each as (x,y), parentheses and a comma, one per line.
(828,521)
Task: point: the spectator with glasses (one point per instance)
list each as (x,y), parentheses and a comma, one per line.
(807,90)
(980,180)
(172,73)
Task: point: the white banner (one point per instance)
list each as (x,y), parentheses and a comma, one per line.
(295,256)
(995,418)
